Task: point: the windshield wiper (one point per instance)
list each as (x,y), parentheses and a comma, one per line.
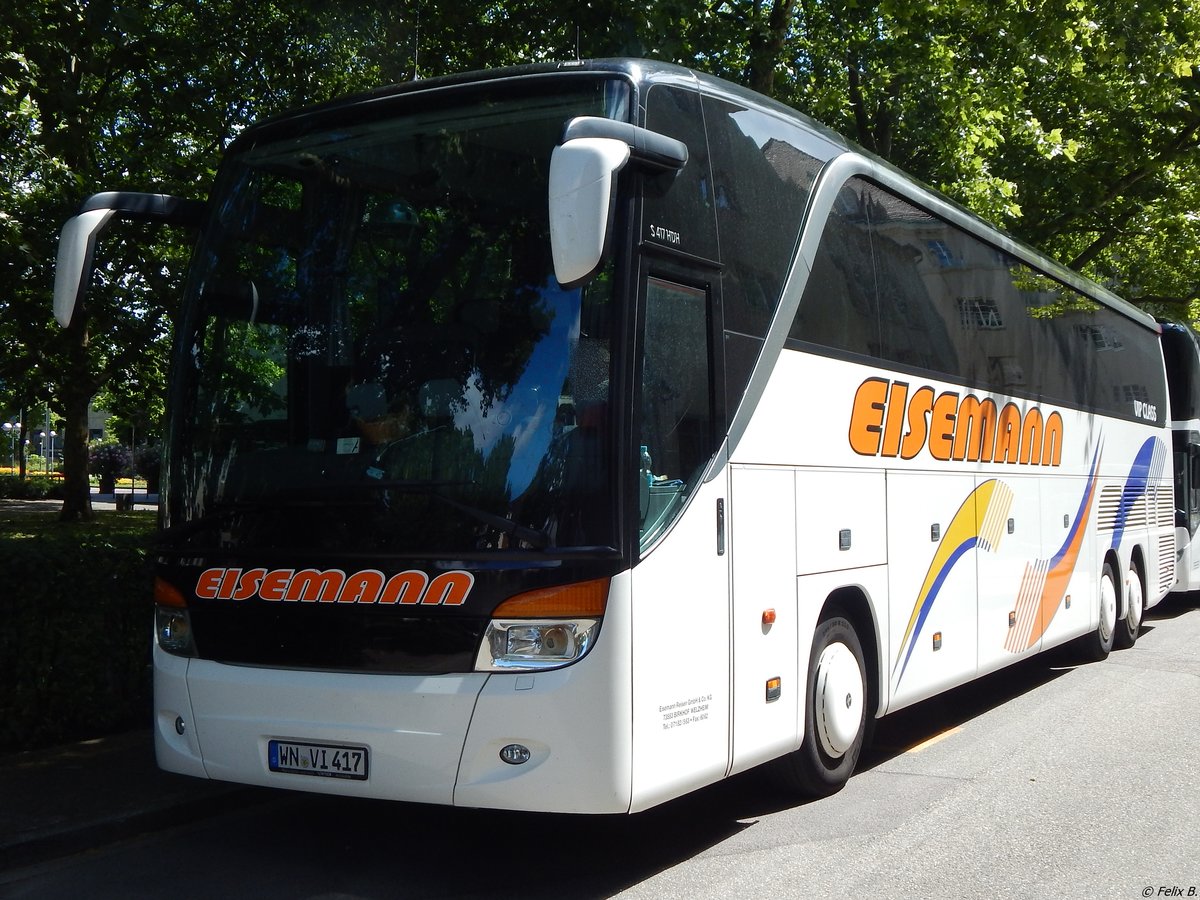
(532,536)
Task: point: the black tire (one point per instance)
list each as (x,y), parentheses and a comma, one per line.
(833,740)
(1130,624)
(1097,645)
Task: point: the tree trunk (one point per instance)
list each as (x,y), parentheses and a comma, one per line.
(77,502)
(77,392)
(766,46)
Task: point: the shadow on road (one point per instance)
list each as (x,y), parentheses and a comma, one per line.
(436,851)
(1173,606)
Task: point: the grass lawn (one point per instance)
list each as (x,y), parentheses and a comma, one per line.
(38,519)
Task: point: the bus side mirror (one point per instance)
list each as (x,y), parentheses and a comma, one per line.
(76,247)
(582,201)
(583,171)
(77,244)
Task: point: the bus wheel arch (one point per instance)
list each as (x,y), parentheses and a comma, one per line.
(1133,603)
(841,699)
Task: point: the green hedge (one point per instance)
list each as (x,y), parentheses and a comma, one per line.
(75,627)
(35,487)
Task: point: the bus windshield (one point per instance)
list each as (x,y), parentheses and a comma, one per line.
(376,355)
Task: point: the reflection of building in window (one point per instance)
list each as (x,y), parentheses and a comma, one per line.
(1132,392)
(1005,371)
(791,165)
(1102,337)
(979,313)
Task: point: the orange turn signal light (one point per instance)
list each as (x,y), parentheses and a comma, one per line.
(584,599)
(774,689)
(768,617)
(166,594)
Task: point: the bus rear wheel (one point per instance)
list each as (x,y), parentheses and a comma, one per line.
(1135,606)
(836,717)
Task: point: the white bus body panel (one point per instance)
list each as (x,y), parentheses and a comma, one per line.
(764,557)
(575,722)
(175,752)
(934,634)
(412,726)
(1187,563)
(1078,610)
(1005,569)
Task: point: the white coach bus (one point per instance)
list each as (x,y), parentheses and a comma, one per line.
(1181,352)
(568,438)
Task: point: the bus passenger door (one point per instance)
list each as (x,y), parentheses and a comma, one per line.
(680,585)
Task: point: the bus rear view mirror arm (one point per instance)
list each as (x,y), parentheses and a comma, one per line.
(77,244)
(651,150)
(582,200)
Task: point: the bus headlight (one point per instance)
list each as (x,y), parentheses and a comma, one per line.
(544,628)
(174,630)
(527,644)
(172,622)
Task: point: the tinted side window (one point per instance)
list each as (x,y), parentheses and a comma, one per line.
(679,209)
(896,283)
(920,271)
(762,180)
(1082,353)
(1183,374)
(677,431)
(839,308)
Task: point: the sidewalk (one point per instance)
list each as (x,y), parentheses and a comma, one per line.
(67,799)
(140,501)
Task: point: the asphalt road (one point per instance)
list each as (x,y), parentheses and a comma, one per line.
(1048,780)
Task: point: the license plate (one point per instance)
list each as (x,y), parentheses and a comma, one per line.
(324,760)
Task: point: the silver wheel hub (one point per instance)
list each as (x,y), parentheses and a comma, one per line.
(1133,593)
(839,699)
(1108,608)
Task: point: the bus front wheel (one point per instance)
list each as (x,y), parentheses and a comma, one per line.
(836,717)
(1097,644)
